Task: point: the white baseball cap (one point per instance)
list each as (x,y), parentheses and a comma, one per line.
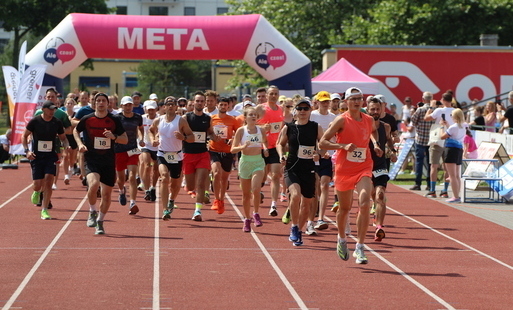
(335,96)
(125,100)
(150,104)
(352,91)
(380,97)
(153,96)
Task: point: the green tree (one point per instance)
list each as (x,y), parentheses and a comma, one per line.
(40,16)
(174,77)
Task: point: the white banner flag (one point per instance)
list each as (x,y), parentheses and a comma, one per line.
(21,59)
(26,102)
(12,84)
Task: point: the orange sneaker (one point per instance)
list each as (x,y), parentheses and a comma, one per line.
(192,193)
(220,206)
(215,205)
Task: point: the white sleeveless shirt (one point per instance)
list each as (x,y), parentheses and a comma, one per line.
(255,138)
(168,141)
(146,125)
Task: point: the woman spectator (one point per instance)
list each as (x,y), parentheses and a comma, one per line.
(479,122)
(469,146)
(453,153)
(490,116)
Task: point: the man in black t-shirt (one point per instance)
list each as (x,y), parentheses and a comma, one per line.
(43,157)
(101,130)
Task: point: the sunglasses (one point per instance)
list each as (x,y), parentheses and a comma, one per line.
(303,108)
(289,106)
(343,109)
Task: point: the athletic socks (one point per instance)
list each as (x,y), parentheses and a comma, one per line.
(199,206)
(92,208)
(432,186)
(446,186)
(101,216)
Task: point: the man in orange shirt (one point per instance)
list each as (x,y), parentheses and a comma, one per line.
(353,168)
(221,158)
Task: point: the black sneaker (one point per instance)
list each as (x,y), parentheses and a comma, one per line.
(431,194)
(444,194)
(153,194)
(40,203)
(415,188)
(147,195)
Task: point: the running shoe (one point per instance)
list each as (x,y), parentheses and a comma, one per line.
(335,207)
(133,208)
(247,225)
(220,207)
(215,205)
(40,202)
(273,211)
(206,199)
(342,250)
(431,194)
(321,225)
(373,209)
(197,216)
(171,204)
(299,240)
(310,230)
(147,195)
(91,220)
(359,254)
(45,215)
(294,232)
(379,234)
(153,194)
(35,197)
(444,194)
(99,228)
(192,194)
(167,214)
(283,197)
(285,219)
(66,180)
(257,220)
(122,197)
(453,200)
(50,206)
(54,187)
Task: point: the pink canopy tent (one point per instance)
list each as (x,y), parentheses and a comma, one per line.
(343,75)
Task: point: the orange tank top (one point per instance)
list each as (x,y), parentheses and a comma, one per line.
(358,133)
(275,119)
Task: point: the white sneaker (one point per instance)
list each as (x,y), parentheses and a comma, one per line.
(54,187)
(359,254)
(310,230)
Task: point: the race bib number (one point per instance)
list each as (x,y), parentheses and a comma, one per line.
(221,131)
(305,152)
(101,143)
(171,157)
(200,136)
(256,140)
(358,155)
(276,127)
(379,172)
(133,152)
(45,146)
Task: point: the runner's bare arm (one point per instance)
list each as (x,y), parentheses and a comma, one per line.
(282,142)
(186,131)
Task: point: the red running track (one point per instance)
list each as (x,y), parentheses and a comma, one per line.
(433,257)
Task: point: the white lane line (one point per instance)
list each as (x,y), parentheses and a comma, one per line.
(31,273)
(404,274)
(453,239)
(15,196)
(277,269)
(156,258)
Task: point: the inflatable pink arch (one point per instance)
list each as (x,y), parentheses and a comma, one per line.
(248,37)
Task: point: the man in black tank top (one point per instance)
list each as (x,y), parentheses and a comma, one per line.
(380,168)
(302,138)
(196,161)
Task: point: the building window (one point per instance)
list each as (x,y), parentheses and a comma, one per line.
(121,10)
(158,10)
(131,81)
(93,81)
(221,11)
(189,11)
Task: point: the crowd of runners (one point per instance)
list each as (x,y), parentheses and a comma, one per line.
(306,150)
